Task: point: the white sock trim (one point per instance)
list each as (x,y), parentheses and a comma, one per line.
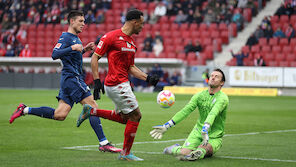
(104,142)
(26,110)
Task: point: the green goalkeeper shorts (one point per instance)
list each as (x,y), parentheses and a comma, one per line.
(195,139)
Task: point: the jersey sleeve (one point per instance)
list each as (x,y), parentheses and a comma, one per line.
(189,108)
(61,48)
(104,45)
(221,103)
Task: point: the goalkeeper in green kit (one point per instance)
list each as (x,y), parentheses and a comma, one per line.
(205,138)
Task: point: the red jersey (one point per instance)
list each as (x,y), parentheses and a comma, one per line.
(120,49)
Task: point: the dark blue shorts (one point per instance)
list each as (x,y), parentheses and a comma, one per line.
(73,89)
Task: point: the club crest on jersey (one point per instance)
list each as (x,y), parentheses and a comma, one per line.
(128,45)
(58,45)
(100,44)
(214,100)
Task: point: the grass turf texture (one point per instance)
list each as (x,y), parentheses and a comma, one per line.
(33,141)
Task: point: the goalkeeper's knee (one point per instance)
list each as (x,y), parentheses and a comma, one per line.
(176,150)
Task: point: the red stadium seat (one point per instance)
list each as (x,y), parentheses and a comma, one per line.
(284,64)
(171,55)
(225,37)
(217,44)
(184,27)
(177,41)
(215,34)
(191,56)
(151,55)
(162,55)
(247,13)
(269,57)
(205,34)
(290,57)
(203,27)
(293,42)
(164,26)
(231,62)
(193,27)
(273,41)
(232,29)
(185,34)
(181,56)
(164,19)
(273,63)
(195,34)
(293,19)
(276,49)
(213,27)
(284,19)
(283,41)
(174,27)
(262,41)
(141,55)
(293,64)
(274,19)
(223,26)
(266,49)
(287,49)
(207,42)
(179,49)
(245,49)
(255,48)
(209,52)
(280,57)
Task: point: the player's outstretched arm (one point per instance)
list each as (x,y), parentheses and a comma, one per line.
(159,130)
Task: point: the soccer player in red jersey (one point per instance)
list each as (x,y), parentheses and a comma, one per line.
(120,49)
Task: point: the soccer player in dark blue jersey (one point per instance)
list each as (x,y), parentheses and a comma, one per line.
(73,89)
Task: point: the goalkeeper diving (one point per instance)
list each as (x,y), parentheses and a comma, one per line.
(205,138)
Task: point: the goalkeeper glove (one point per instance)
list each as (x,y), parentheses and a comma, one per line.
(97,88)
(204,133)
(152,79)
(159,130)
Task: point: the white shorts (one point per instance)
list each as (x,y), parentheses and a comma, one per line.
(123,97)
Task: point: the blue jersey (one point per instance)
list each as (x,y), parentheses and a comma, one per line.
(72,87)
(71,59)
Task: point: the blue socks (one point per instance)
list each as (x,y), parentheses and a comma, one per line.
(95,123)
(45,112)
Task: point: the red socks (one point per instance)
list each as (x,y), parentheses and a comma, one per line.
(129,136)
(130,128)
(107,114)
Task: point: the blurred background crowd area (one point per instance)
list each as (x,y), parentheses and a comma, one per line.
(22,20)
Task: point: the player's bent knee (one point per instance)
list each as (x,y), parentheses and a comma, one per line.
(94,104)
(60,117)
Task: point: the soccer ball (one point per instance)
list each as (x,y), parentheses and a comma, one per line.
(165,99)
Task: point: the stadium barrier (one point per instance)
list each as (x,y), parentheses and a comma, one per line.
(228,91)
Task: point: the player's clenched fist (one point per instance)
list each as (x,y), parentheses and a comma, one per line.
(98,87)
(77,47)
(152,79)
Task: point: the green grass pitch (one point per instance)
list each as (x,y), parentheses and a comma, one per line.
(32,141)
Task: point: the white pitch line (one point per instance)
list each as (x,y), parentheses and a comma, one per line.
(176,140)
(260,159)
(88,147)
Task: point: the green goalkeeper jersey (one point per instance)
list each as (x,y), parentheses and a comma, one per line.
(212,109)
